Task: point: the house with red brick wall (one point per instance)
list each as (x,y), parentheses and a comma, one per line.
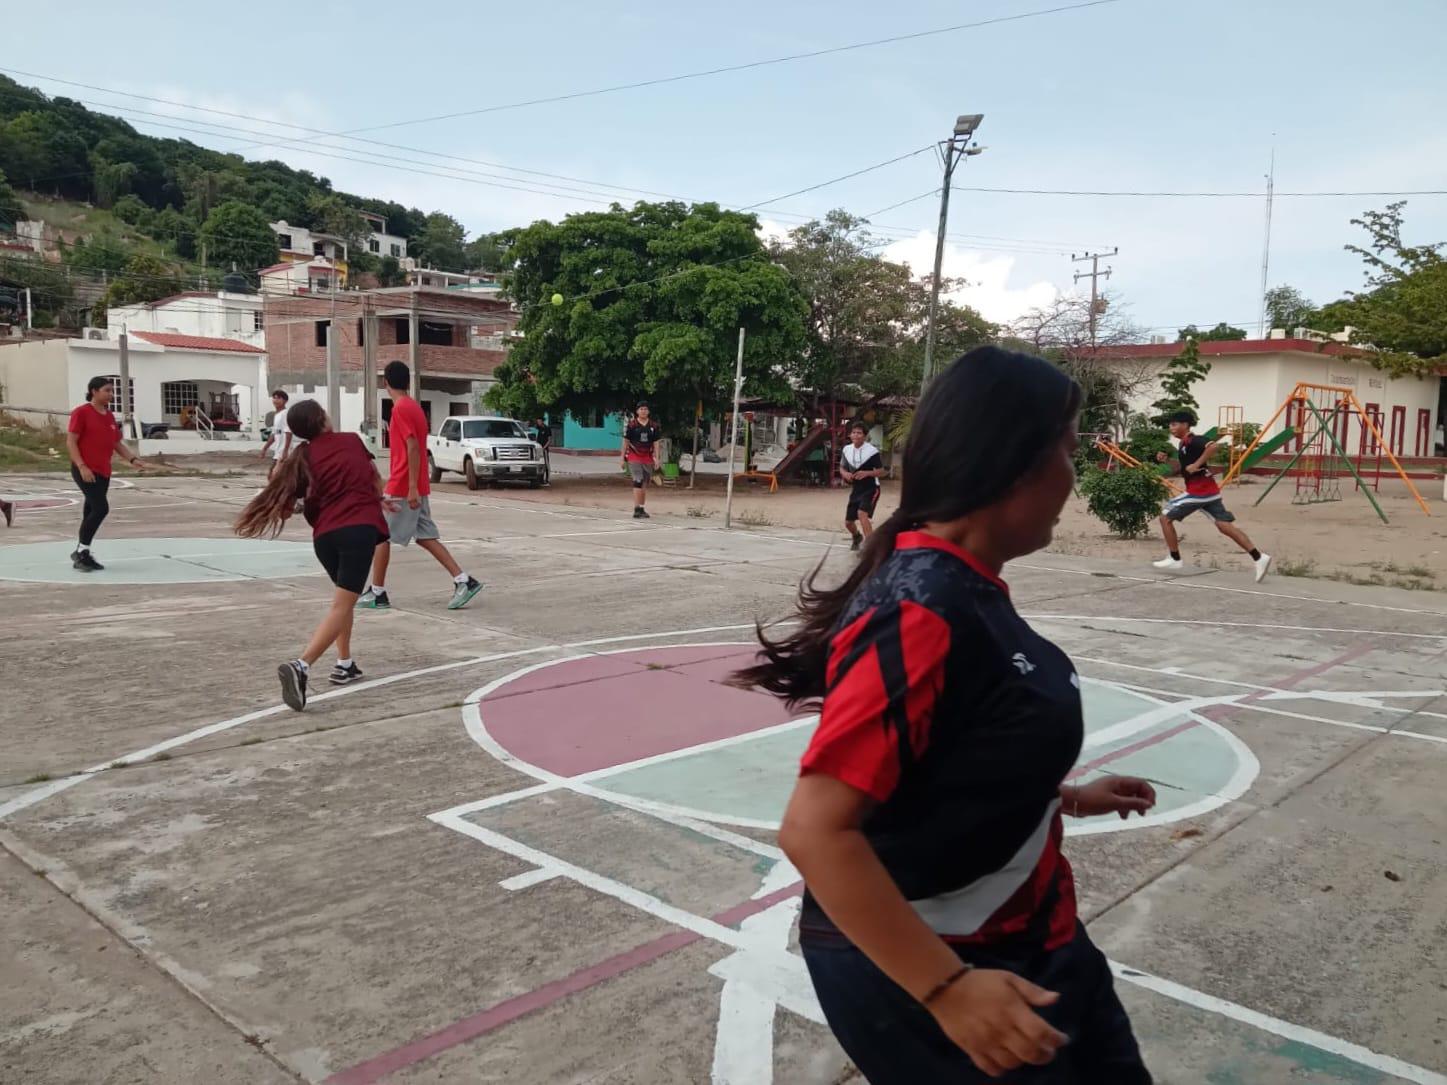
(432,330)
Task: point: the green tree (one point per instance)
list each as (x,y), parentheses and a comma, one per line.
(389,272)
(144,278)
(1221,332)
(867,315)
(440,243)
(1287,307)
(1183,371)
(99,252)
(486,252)
(329,214)
(11,210)
(652,300)
(1403,313)
(238,234)
(112,180)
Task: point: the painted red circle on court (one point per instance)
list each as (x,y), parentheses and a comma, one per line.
(585,714)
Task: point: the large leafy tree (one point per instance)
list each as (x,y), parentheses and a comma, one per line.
(1288,308)
(144,278)
(1221,332)
(238,234)
(652,298)
(440,243)
(1403,311)
(867,315)
(11,210)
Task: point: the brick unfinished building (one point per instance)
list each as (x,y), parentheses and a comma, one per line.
(453,342)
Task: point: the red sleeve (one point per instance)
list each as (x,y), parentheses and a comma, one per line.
(886,670)
(76,426)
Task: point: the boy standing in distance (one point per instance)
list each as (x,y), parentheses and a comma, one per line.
(279,443)
(1202,494)
(545,441)
(640,456)
(7,510)
(408,487)
(860,465)
(92,438)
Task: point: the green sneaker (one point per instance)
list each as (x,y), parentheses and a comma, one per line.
(372,599)
(462,593)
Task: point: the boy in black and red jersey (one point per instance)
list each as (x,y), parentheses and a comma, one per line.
(1202,495)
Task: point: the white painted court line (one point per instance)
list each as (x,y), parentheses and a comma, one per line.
(1188,582)
(1237,625)
(55,787)
(1385,1064)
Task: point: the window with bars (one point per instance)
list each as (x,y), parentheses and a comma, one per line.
(257,320)
(115,380)
(178,395)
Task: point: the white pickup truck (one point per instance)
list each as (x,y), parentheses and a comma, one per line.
(484,449)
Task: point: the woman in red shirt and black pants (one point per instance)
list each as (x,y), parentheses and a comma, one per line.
(333,475)
(939,921)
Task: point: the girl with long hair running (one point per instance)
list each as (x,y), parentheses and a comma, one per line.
(939,923)
(333,475)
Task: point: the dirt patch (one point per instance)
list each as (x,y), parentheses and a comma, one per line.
(1341,540)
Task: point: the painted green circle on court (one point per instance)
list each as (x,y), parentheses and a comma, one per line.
(160,561)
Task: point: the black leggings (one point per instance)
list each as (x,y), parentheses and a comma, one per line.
(97,505)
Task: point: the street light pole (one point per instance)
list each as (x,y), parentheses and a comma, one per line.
(955,148)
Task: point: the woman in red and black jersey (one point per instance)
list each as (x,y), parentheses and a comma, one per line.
(939,924)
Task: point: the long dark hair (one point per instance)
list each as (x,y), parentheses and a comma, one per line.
(983,425)
(267,512)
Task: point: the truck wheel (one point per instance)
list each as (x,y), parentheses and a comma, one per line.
(434,472)
(473,482)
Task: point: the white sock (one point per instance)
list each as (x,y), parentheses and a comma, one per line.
(343,663)
(304,665)
(82,548)
(462,578)
(376,589)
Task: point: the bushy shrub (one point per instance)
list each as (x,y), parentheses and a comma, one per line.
(1126,500)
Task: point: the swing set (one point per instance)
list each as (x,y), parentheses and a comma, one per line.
(1318,422)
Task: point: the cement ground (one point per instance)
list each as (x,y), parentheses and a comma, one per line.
(536,845)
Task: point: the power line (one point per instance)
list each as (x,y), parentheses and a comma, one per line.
(836,180)
(1191,195)
(750,65)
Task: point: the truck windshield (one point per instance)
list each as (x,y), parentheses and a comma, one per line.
(492,428)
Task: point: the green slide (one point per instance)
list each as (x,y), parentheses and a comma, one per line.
(1266,448)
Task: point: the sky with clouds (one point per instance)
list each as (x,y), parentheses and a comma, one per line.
(1137,95)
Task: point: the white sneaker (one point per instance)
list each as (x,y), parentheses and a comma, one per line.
(1263,565)
(1169,564)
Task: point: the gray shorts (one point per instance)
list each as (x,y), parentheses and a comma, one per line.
(641,472)
(1178,508)
(407,524)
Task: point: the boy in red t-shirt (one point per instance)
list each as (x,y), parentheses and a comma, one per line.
(410,516)
(1202,495)
(92,438)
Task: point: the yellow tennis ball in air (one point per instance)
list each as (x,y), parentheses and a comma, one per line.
(557,299)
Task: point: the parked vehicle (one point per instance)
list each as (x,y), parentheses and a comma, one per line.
(485,449)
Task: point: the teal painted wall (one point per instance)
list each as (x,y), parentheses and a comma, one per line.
(608,436)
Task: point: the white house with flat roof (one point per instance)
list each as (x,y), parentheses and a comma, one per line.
(1257,375)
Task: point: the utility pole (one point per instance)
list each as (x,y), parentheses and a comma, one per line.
(369,374)
(128,422)
(1261,328)
(957,147)
(334,368)
(1093,274)
(734,438)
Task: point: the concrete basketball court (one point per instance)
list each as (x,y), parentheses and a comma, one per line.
(537,844)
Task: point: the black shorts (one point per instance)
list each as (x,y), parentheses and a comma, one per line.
(346,555)
(1178,508)
(861,502)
